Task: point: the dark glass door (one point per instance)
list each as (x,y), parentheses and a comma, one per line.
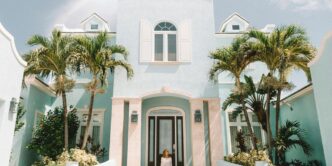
(165,138)
(165,133)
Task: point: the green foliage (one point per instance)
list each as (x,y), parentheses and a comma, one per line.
(233,59)
(52,58)
(290,135)
(97,56)
(48,135)
(20,113)
(300,163)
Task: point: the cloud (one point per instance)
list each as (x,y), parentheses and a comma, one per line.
(304,5)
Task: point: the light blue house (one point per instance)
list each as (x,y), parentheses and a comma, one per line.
(178,108)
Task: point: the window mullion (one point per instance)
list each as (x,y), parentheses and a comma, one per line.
(165,51)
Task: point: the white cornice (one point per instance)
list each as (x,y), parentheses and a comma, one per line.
(305,90)
(12,44)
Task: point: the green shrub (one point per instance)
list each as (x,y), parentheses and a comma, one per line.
(48,136)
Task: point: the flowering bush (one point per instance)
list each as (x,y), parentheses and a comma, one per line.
(248,159)
(78,155)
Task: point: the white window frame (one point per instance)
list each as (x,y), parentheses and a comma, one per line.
(165,43)
(239,124)
(81,112)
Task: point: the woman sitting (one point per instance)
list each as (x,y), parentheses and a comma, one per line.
(166,159)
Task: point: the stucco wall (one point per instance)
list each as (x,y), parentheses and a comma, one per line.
(34,100)
(189,77)
(304,111)
(322,81)
(11,74)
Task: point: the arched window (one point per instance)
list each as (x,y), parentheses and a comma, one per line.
(165,42)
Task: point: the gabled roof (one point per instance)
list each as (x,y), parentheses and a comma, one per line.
(228,19)
(92,16)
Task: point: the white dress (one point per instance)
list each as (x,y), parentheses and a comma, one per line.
(166,161)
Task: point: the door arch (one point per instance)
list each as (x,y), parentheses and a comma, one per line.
(158,118)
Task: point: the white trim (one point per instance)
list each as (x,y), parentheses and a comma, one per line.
(183,130)
(92,16)
(229,35)
(40,85)
(100,124)
(228,19)
(12,44)
(239,124)
(166,91)
(321,48)
(165,43)
(297,95)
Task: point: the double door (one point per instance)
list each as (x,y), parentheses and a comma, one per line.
(165,132)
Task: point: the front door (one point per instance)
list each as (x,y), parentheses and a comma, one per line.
(165,132)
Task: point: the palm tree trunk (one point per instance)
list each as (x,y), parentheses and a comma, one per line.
(64,103)
(277,119)
(251,133)
(86,132)
(253,138)
(268,125)
(278,110)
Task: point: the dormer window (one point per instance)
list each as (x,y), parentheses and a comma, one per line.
(236,27)
(94,26)
(165,42)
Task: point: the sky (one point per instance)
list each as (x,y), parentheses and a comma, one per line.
(25,18)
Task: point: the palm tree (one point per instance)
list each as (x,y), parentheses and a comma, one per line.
(290,136)
(51,59)
(99,57)
(234,59)
(253,98)
(285,49)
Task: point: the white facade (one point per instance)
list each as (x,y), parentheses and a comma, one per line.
(11,74)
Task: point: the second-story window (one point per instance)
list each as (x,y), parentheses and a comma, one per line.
(165,42)
(94,26)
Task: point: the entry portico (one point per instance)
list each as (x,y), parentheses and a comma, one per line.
(166,120)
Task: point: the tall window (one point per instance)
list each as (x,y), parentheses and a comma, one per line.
(95,131)
(239,123)
(165,42)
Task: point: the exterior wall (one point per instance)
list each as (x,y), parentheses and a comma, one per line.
(304,111)
(34,101)
(11,74)
(189,77)
(323,96)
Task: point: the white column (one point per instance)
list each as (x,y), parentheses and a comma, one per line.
(116,141)
(197,134)
(216,146)
(134,133)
